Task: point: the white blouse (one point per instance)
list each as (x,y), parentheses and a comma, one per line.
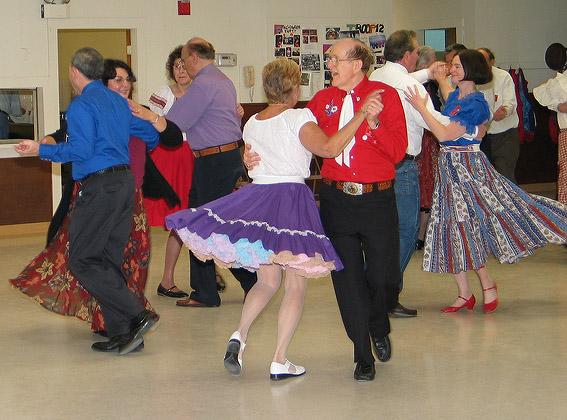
(276,140)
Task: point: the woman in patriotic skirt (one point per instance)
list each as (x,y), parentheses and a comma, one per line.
(476,211)
(272,225)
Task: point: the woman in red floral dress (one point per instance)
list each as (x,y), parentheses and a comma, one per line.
(47,278)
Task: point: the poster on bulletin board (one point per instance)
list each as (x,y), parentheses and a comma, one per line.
(308,46)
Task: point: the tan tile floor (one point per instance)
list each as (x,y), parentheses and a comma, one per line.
(508,365)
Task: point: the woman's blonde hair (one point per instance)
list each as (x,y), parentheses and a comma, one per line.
(279,78)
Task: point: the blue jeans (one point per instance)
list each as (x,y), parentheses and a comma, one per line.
(407,199)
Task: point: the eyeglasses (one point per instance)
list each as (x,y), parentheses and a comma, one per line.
(334,60)
(124,80)
(179,66)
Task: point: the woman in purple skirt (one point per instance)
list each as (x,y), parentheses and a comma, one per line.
(272,225)
(476,211)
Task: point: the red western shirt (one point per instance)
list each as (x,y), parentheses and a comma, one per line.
(375,152)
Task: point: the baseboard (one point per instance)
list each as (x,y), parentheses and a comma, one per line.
(24,229)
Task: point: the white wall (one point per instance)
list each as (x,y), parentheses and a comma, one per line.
(29,43)
(518,35)
(517,31)
(241,27)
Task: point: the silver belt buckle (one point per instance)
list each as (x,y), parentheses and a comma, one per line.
(352,188)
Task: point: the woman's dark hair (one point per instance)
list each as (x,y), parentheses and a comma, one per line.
(475,67)
(174,55)
(110,67)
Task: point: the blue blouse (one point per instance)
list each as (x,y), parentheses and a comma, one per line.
(470,111)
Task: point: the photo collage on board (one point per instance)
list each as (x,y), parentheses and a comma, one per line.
(308,46)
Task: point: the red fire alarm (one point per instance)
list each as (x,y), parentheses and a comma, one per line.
(183,7)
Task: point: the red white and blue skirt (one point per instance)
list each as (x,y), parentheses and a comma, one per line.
(259,224)
(477,212)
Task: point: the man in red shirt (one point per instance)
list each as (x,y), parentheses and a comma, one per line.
(358,204)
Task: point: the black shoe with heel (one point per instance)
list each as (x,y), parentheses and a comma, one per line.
(162,291)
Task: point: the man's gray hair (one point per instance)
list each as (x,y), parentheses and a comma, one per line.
(202,48)
(426,56)
(398,44)
(89,62)
(361,51)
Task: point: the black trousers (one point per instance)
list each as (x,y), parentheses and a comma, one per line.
(214,176)
(364,231)
(98,233)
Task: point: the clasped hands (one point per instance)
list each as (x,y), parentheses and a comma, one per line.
(372,107)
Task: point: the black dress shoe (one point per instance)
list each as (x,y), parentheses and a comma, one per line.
(114,344)
(364,371)
(400,311)
(382,348)
(143,323)
(162,291)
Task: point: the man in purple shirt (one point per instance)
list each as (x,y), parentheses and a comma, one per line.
(207,113)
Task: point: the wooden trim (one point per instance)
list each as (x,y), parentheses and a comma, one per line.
(25,186)
(255,107)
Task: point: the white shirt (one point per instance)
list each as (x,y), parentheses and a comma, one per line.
(276,140)
(397,76)
(499,92)
(161,101)
(552,93)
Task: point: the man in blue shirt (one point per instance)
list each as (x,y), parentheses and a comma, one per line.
(100,124)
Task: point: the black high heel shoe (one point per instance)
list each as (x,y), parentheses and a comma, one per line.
(162,291)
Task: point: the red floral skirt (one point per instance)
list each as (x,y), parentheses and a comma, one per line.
(427,165)
(48,281)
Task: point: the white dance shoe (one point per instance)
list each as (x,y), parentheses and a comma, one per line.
(287,370)
(233,356)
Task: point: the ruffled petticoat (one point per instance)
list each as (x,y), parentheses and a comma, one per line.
(260,224)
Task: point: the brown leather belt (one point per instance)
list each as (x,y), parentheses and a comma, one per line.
(354,188)
(216,149)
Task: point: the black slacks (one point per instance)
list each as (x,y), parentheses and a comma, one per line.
(364,231)
(98,233)
(214,176)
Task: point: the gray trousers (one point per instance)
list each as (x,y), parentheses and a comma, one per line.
(98,233)
(503,150)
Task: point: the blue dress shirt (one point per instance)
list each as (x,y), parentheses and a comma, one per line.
(100,124)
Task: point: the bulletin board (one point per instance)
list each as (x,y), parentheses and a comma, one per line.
(307,45)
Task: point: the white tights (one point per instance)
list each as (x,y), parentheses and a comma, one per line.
(269,281)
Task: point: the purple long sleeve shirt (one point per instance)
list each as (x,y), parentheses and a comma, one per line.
(207,111)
